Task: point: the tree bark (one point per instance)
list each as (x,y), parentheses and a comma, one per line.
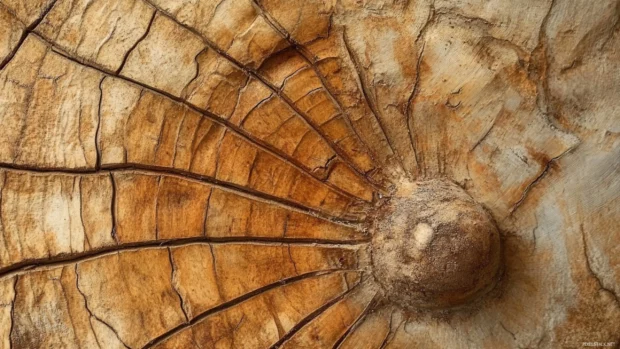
(254,173)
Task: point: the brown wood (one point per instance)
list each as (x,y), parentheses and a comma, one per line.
(254,174)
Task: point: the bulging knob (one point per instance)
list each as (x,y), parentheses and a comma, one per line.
(435,247)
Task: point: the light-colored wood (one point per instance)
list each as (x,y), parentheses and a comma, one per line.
(208,173)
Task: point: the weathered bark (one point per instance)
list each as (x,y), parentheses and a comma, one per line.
(250,173)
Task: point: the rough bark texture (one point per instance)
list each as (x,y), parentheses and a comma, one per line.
(208,173)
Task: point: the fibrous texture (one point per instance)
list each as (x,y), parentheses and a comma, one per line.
(309,174)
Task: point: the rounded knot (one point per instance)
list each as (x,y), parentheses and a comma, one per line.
(435,248)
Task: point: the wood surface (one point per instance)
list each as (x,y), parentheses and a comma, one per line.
(202,174)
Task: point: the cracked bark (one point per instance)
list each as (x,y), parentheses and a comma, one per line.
(311,317)
(229,304)
(173,268)
(306,55)
(236,130)
(77,286)
(586,256)
(252,73)
(266,137)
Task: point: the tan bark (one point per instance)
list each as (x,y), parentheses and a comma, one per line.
(254,174)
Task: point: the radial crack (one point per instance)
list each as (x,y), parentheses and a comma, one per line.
(305,321)
(231,303)
(77,286)
(299,48)
(252,73)
(62,260)
(12,327)
(173,271)
(357,321)
(259,144)
(586,255)
(539,178)
(369,101)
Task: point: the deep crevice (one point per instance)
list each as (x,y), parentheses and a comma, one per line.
(252,73)
(360,319)
(305,321)
(173,271)
(259,144)
(157,170)
(233,302)
(27,30)
(77,286)
(66,259)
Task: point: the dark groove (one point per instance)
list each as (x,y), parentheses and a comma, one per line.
(311,317)
(259,144)
(251,72)
(113,208)
(539,178)
(408,116)
(232,303)
(12,315)
(357,322)
(158,170)
(302,52)
(173,270)
(371,105)
(146,32)
(27,30)
(64,259)
(98,130)
(393,332)
(384,343)
(77,286)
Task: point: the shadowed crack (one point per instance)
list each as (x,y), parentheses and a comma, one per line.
(290,256)
(392,332)
(172,283)
(12,327)
(258,143)
(172,172)
(540,178)
(408,111)
(146,32)
(98,130)
(360,319)
(61,260)
(305,321)
(591,271)
(27,30)
(77,286)
(252,73)
(389,331)
(172,332)
(512,334)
